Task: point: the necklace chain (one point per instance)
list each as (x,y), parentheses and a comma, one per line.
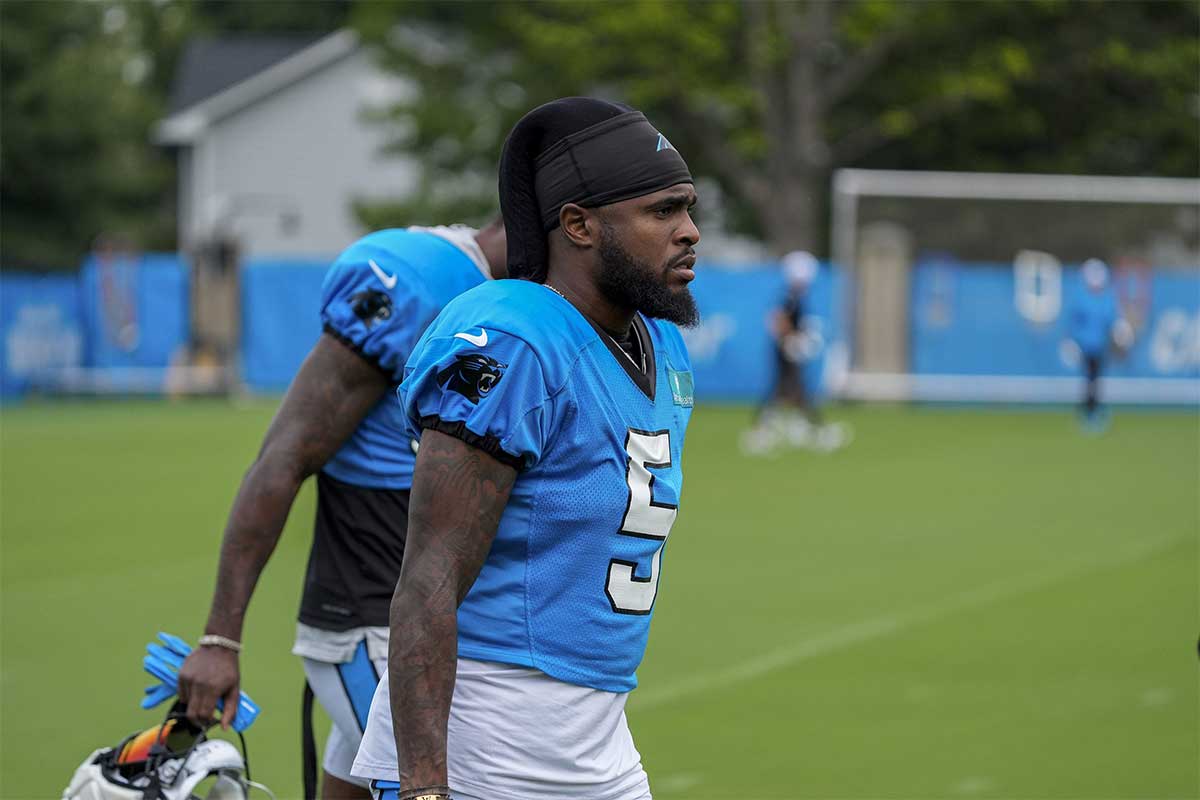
(641,348)
(641,345)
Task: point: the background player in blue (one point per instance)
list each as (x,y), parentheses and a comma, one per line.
(1095,325)
(336,421)
(553,412)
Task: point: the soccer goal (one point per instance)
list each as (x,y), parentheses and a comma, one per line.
(961,286)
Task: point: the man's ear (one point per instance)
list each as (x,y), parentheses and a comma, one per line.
(579,225)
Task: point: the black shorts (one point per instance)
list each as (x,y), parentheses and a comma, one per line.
(358,546)
(787,371)
(789,377)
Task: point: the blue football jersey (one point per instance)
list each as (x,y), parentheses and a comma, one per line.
(1091,319)
(378,297)
(570,582)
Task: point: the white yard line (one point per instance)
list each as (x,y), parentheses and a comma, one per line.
(883,625)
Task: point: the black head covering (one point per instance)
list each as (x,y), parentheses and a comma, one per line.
(575,137)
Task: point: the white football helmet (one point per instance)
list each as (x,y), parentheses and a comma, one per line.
(172,761)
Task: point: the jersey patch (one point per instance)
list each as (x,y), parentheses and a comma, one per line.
(682,390)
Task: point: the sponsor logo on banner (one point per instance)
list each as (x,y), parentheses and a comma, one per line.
(1037,286)
(41,339)
(705,340)
(1175,342)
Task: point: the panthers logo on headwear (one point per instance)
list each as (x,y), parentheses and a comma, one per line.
(472,376)
(371,306)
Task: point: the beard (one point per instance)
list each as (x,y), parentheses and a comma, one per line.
(630,283)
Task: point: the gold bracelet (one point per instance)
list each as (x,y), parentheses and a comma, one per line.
(427,793)
(213,640)
(430,793)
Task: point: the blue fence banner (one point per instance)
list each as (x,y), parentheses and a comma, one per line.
(135,310)
(732,352)
(995,320)
(989,319)
(41,328)
(281,305)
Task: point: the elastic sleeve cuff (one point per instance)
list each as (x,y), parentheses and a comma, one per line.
(363,354)
(488,444)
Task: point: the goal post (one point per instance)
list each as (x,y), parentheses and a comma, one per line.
(960,284)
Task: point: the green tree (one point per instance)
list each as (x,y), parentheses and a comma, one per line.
(74,157)
(81,86)
(768,96)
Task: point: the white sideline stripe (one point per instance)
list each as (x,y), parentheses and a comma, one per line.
(860,632)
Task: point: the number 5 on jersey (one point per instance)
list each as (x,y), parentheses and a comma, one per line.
(644,519)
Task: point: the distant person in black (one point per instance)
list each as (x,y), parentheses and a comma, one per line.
(793,345)
(788,414)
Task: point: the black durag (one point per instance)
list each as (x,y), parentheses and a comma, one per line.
(576,150)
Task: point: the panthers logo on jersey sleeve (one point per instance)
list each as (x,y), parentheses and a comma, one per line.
(379,321)
(472,375)
(483,386)
(371,306)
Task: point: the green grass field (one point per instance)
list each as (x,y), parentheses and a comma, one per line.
(962,604)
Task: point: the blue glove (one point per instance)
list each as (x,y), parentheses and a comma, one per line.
(163,662)
(157,694)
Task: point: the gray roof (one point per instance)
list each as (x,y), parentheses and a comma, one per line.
(211,65)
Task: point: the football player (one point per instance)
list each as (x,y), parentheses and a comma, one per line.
(1095,325)
(337,422)
(552,413)
(789,414)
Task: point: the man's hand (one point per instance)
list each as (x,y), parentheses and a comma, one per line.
(210,674)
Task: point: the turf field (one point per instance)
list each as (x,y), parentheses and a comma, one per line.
(962,604)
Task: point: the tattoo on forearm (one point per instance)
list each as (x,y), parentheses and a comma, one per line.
(331,394)
(458,497)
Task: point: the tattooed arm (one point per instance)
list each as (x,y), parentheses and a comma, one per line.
(458,495)
(333,391)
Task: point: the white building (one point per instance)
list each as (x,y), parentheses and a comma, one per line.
(273,144)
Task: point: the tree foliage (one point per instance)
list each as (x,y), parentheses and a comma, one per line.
(763,97)
(75,159)
(768,96)
(83,82)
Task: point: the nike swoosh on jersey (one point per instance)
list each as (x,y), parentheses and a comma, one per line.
(389,281)
(478,341)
